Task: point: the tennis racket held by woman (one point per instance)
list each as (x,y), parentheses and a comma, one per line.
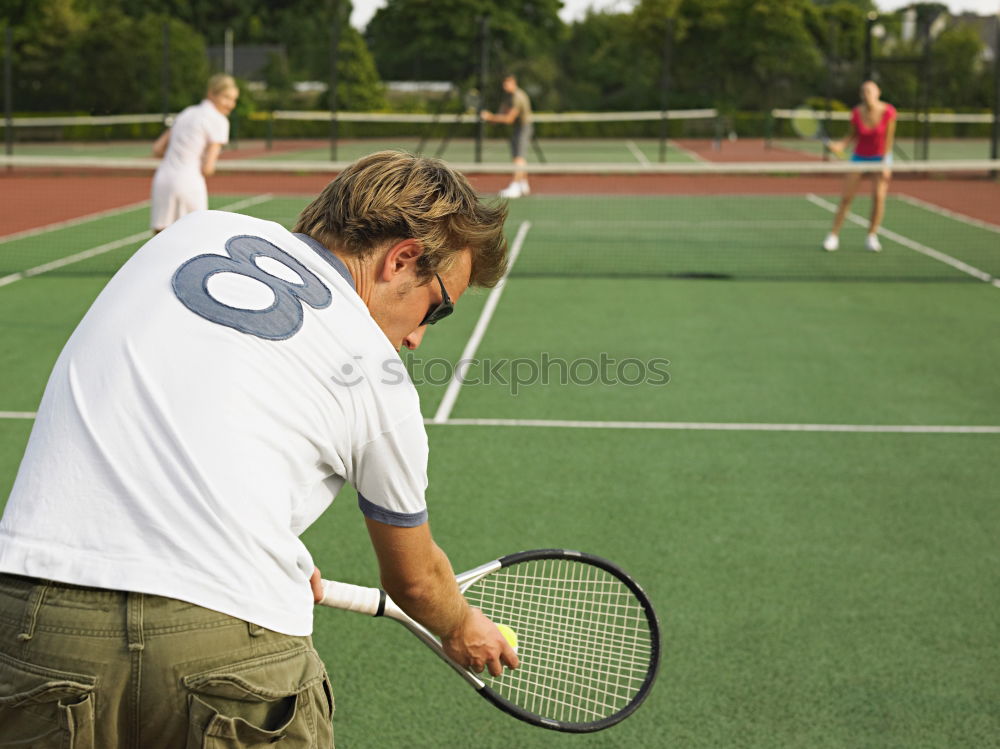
(587,636)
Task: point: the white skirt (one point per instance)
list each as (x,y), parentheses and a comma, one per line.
(175,194)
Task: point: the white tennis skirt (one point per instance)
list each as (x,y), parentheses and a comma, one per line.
(175,194)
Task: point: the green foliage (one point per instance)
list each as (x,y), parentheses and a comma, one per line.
(106,55)
(960,73)
(439,40)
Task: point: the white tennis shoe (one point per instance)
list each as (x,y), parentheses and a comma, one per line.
(872,243)
(525,187)
(831,243)
(513,190)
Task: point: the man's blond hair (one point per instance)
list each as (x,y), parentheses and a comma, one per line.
(390,196)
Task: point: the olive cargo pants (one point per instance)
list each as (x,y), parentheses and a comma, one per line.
(82,668)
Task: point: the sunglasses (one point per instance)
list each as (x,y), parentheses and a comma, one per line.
(440,310)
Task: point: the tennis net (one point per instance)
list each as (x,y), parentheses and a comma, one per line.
(752,220)
(318,135)
(919,135)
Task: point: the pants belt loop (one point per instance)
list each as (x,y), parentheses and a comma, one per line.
(31,611)
(255,630)
(135,624)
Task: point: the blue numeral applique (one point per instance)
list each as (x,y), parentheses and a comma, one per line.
(278,322)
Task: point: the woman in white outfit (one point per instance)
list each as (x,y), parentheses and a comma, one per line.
(189,150)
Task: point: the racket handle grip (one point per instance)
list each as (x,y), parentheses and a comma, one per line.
(349,597)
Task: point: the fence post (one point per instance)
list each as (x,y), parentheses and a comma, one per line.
(484,63)
(334,55)
(995,141)
(165,72)
(8,94)
(668,38)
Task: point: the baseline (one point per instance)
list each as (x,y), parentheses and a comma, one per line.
(684,426)
(709,426)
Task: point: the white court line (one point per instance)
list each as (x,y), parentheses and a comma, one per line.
(73,221)
(457,379)
(672,224)
(709,426)
(978,223)
(686,151)
(70,259)
(109,246)
(911,244)
(637,152)
(246,202)
(684,426)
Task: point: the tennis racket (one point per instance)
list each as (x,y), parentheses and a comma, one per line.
(807,124)
(588,638)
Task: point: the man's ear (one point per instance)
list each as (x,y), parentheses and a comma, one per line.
(401,258)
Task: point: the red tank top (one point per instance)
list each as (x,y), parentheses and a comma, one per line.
(871,140)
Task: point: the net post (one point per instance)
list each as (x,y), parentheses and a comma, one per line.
(8,96)
(870,20)
(484,62)
(334,55)
(227,52)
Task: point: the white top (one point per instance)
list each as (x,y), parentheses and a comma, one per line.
(193,130)
(205,412)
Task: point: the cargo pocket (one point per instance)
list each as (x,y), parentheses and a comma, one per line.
(276,699)
(44,708)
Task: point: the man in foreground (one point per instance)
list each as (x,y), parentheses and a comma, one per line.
(219,392)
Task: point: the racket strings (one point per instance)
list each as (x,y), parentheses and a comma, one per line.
(584,639)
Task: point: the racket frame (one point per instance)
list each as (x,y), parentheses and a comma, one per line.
(377,603)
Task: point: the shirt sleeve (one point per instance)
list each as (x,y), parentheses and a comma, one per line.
(390,474)
(218,129)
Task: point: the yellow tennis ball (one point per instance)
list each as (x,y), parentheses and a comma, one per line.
(508,634)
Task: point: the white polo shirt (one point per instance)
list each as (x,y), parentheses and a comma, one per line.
(211,403)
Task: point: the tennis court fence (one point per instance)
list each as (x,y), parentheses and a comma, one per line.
(682,220)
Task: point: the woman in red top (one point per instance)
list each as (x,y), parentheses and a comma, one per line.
(873,128)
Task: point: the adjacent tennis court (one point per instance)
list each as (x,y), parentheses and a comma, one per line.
(792,451)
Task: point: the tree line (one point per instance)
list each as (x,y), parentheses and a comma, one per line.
(107,56)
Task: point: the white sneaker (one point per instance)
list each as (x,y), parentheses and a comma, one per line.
(513,190)
(831,243)
(872,243)
(525,187)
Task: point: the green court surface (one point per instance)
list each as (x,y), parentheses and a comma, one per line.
(553,151)
(459,150)
(808,495)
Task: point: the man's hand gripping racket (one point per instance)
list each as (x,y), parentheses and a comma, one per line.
(587,637)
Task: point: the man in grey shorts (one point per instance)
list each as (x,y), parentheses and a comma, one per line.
(515,111)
